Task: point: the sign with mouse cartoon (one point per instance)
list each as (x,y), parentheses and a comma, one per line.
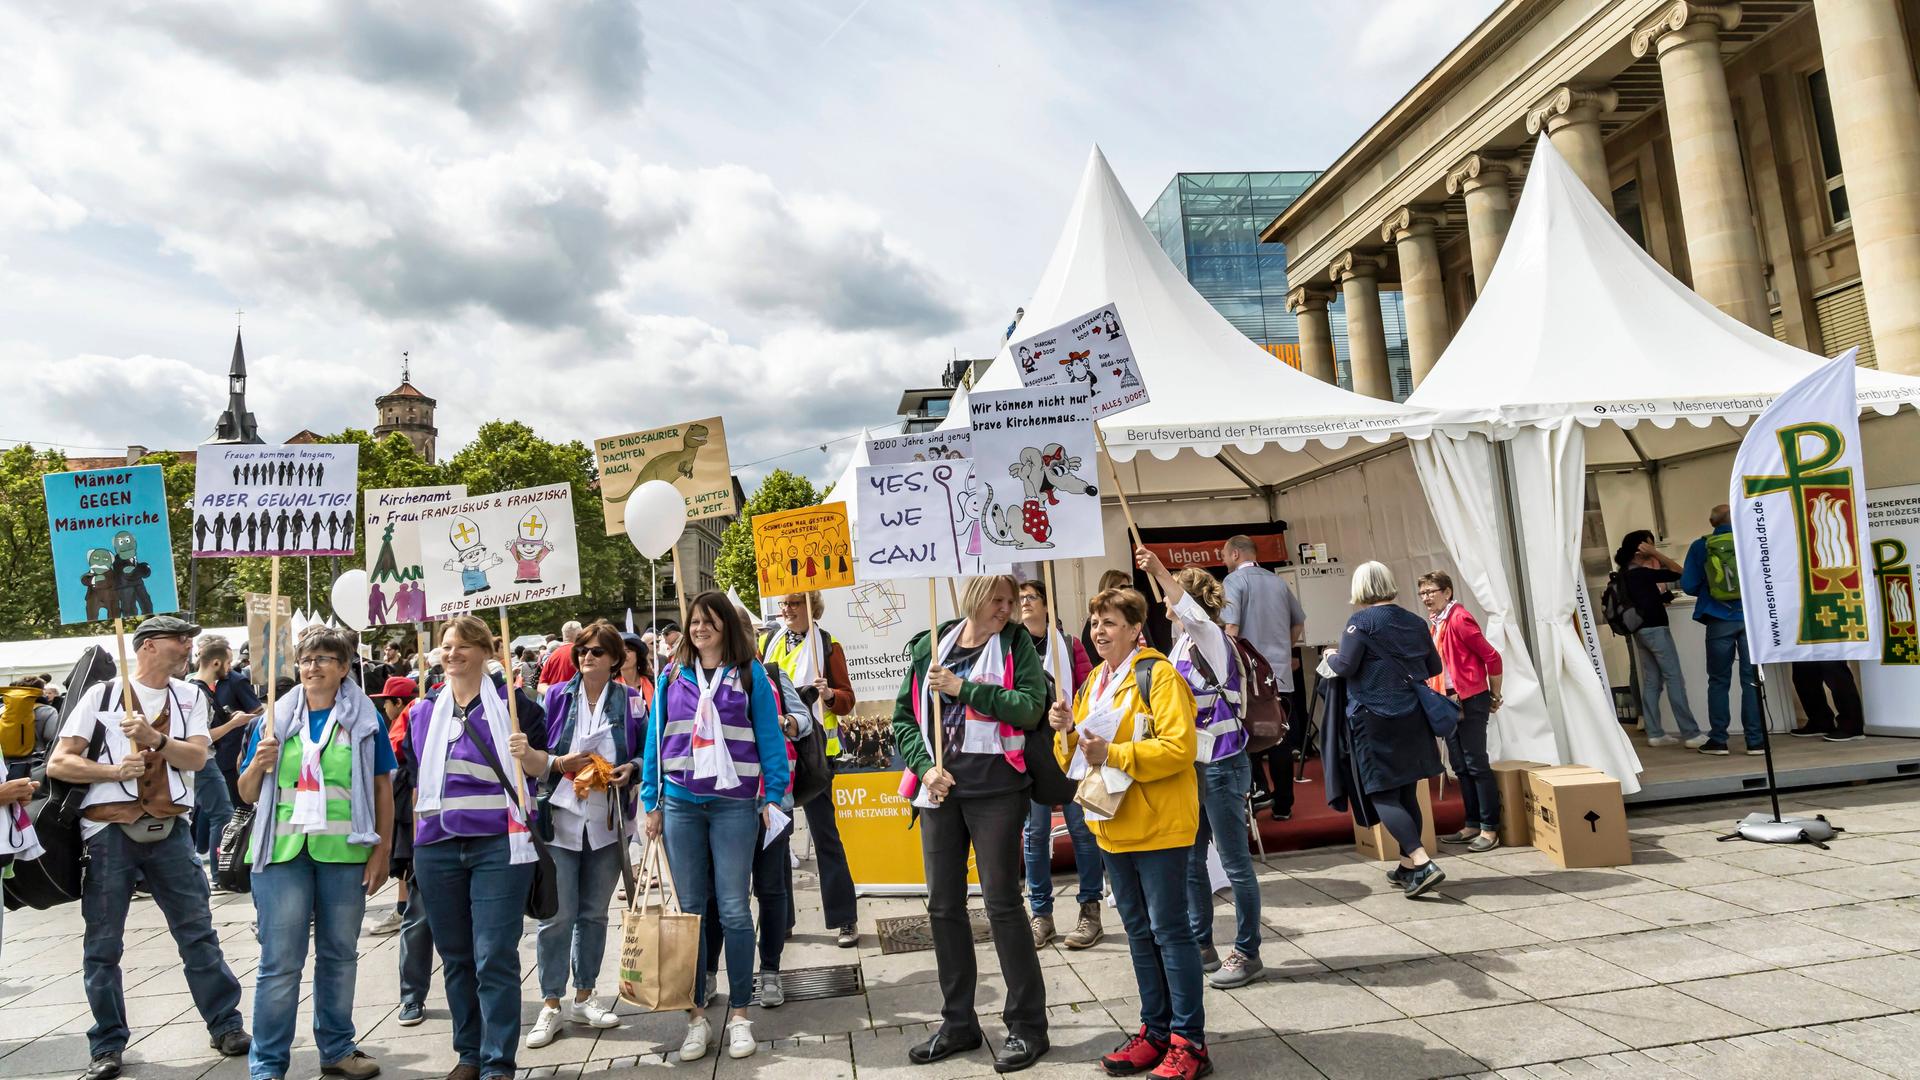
(275,500)
(803,550)
(691,456)
(1033,456)
(112,554)
(489,551)
(1091,352)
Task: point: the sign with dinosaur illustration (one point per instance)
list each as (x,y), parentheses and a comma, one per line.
(691,456)
(112,556)
(1091,352)
(489,551)
(396,589)
(803,550)
(275,500)
(1033,456)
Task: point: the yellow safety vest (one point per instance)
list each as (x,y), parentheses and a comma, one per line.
(788,659)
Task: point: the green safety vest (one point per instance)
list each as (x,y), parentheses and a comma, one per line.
(336,780)
(789,663)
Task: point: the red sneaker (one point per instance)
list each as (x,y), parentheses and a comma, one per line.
(1184,1061)
(1138,1054)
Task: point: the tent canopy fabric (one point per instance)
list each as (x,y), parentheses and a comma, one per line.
(1577,322)
(1213,390)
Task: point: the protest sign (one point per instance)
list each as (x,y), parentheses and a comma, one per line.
(1092,351)
(511,547)
(918,519)
(1034,453)
(943,445)
(258,650)
(112,555)
(690,456)
(395,575)
(1891,683)
(274,500)
(803,550)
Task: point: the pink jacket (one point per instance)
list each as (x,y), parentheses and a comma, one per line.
(1465,652)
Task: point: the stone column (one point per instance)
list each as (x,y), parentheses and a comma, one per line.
(1309,306)
(1722,244)
(1359,278)
(1410,231)
(1876,113)
(1571,117)
(1481,182)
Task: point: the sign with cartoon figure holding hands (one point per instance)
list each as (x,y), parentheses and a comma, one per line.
(468,548)
(803,550)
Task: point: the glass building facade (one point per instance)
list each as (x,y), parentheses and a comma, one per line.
(1209,225)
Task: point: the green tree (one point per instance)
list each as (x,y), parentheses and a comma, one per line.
(28,603)
(735,567)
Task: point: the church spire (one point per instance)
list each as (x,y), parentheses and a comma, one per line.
(236,425)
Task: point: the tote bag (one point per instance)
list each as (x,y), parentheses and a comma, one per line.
(659,943)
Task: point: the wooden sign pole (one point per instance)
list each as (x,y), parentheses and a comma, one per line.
(1053,597)
(679,589)
(126,671)
(273,627)
(937,722)
(1133,530)
(513,718)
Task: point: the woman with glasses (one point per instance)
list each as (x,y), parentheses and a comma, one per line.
(1066,664)
(1470,675)
(590,760)
(320,776)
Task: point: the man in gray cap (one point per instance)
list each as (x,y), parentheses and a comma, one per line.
(138,786)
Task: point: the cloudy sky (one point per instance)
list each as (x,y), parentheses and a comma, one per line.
(602,215)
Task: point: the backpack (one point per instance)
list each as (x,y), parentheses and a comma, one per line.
(1723,567)
(16,721)
(1620,616)
(1258,706)
(58,876)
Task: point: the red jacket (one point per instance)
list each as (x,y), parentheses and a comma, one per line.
(1465,652)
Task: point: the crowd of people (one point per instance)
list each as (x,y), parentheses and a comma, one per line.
(454,772)
(1643,586)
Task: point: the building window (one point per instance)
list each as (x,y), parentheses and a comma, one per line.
(1829,144)
(1626,211)
(938,406)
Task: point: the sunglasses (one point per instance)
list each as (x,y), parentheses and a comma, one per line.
(593,650)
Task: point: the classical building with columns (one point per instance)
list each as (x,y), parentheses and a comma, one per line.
(1767,153)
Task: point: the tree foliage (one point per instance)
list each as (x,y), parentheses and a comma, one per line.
(735,567)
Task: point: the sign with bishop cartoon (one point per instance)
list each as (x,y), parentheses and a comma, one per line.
(488,551)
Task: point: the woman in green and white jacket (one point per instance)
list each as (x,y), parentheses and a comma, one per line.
(319,772)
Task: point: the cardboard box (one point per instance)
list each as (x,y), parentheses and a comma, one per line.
(1516,800)
(1579,818)
(1377,843)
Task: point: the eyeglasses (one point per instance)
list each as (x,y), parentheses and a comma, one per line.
(1029,598)
(593,650)
(317,661)
(793,603)
(1430,592)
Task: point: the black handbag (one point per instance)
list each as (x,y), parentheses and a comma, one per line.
(543,893)
(232,870)
(1441,712)
(812,774)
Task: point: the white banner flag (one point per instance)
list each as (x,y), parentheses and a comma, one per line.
(1797,494)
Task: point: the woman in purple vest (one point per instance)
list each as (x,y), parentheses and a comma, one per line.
(1204,657)
(472,854)
(714,749)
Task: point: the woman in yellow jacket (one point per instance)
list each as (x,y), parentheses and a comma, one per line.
(1145,844)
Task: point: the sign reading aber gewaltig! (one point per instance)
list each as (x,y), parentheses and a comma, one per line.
(275,500)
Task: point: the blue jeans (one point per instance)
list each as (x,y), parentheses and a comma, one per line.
(578,928)
(1166,960)
(1039,847)
(180,891)
(1660,666)
(710,846)
(212,808)
(476,901)
(289,897)
(1725,641)
(416,949)
(773,888)
(1223,814)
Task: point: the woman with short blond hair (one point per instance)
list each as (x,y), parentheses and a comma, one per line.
(980,680)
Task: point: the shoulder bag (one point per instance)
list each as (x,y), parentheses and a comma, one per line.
(1442,715)
(543,894)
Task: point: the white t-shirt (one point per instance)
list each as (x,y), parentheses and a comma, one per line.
(186,706)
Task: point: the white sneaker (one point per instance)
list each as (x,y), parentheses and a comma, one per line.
(545,1029)
(1663,740)
(694,1046)
(590,1013)
(740,1042)
(1698,741)
(387,926)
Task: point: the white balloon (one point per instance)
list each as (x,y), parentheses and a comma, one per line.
(350,599)
(656,515)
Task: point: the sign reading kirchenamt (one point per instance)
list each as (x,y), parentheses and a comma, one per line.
(1798,525)
(275,500)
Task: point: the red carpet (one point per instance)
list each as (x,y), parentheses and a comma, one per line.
(1314,824)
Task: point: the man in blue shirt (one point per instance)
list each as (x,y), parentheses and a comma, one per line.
(1726,638)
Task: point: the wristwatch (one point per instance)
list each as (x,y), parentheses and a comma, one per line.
(164,740)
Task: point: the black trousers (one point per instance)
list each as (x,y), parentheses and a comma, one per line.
(1399,810)
(1467,747)
(830,857)
(1813,680)
(1273,767)
(991,826)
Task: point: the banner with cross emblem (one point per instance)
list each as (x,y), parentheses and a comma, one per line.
(1798,525)
(1890,687)
(511,547)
